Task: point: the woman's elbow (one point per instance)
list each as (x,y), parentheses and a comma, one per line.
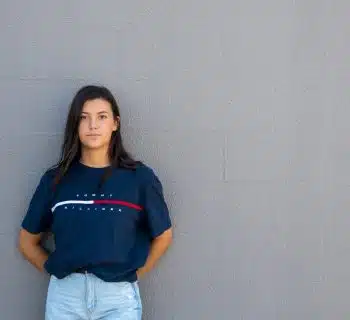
(26,241)
(21,244)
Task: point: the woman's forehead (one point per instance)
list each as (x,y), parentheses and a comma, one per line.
(96,106)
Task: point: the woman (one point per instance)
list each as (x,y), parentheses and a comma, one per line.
(107,214)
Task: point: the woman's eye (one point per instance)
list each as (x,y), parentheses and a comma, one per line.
(82,117)
(103,116)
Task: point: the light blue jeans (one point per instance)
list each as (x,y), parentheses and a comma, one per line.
(82,296)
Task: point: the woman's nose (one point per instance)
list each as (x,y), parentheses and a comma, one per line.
(93,124)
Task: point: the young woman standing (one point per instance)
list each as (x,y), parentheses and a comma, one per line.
(107,214)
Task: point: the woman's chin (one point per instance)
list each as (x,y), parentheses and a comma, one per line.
(93,146)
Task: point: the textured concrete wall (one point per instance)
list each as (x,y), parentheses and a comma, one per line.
(242,109)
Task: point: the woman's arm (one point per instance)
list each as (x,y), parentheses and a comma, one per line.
(158,247)
(29,246)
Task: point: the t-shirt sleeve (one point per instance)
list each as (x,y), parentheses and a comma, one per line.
(155,207)
(38,217)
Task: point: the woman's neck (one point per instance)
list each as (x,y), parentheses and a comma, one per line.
(95,158)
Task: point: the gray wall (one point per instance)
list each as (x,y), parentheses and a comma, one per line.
(242,109)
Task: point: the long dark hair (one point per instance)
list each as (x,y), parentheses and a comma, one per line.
(71,146)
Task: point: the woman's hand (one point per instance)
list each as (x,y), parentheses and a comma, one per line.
(140,273)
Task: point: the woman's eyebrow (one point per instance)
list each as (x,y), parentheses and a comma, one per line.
(97,112)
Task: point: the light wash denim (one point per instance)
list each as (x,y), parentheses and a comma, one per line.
(83,296)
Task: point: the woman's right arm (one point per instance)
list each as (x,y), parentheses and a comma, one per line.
(29,246)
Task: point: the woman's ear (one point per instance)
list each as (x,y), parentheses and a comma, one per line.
(116,123)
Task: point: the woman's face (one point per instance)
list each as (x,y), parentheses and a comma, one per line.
(96,124)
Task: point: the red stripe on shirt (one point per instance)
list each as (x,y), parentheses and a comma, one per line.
(122,203)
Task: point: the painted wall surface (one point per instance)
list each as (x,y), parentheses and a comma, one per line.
(241,107)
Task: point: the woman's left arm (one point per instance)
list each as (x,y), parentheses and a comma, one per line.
(159,246)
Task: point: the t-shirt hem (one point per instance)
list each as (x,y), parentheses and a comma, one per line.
(29,229)
(160,231)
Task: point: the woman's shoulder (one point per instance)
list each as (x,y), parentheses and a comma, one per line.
(49,174)
(145,172)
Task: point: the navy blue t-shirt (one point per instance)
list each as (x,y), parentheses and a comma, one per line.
(108,232)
